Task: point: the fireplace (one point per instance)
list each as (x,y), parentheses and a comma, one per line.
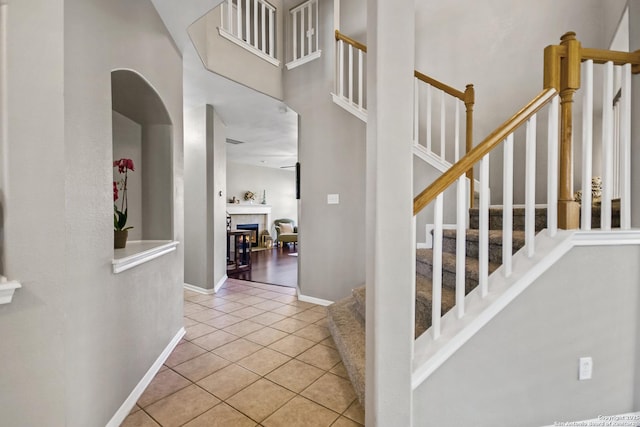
(254,232)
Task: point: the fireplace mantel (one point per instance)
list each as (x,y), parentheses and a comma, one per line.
(247,213)
(247,209)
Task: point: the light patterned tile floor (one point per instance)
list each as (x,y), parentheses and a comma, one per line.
(253,356)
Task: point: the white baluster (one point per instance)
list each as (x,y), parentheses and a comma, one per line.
(256,42)
(456,134)
(239,19)
(552,168)
(317,27)
(625,149)
(436,302)
(341,68)
(247,18)
(272,47)
(507,207)
(530,187)
(229,11)
(302,34)
(263,30)
(429,113)
(483,238)
(587,143)
(360,79)
(607,146)
(416,115)
(310,30)
(461,240)
(350,74)
(443,125)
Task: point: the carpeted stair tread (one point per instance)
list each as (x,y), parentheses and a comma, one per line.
(472,243)
(348,333)
(424,294)
(495,218)
(360,297)
(424,259)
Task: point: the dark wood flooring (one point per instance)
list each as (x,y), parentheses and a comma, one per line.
(274,266)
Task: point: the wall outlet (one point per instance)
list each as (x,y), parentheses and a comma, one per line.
(585,368)
(333,199)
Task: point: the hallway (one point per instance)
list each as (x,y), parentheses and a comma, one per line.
(253,355)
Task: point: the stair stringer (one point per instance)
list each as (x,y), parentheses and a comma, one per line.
(430,354)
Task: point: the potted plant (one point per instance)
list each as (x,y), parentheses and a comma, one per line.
(120,229)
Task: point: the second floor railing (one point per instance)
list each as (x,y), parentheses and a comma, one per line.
(252,25)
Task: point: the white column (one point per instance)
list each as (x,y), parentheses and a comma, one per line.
(390,237)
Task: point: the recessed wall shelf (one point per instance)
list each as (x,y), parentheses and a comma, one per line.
(7,288)
(140,251)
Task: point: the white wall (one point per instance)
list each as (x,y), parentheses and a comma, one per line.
(205,177)
(75,339)
(280,185)
(522,367)
(331,151)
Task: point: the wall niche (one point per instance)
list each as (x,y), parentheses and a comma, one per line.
(142,131)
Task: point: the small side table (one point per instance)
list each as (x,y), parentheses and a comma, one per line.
(238,251)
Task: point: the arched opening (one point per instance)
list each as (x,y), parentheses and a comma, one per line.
(142,132)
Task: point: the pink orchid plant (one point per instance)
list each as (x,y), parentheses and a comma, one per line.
(120,189)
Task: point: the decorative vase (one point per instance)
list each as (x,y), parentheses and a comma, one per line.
(120,238)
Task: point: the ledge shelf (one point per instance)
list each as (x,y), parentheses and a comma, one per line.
(7,288)
(140,251)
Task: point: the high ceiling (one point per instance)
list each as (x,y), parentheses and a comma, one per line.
(266,127)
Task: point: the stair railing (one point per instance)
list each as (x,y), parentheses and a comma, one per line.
(350,93)
(250,24)
(564,65)
(427,85)
(456,174)
(350,75)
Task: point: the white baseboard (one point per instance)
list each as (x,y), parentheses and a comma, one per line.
(130,402)
(424,245)
(313,300)
(218,285)
(198,289)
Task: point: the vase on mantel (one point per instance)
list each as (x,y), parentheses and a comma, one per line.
(120,238)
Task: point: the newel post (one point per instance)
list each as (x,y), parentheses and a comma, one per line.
(469,100)
(569,83)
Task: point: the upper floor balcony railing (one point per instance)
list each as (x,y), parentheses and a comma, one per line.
(252,25)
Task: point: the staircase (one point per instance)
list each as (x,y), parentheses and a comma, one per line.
(347,317)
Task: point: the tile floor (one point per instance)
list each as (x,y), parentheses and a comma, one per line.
(253,355)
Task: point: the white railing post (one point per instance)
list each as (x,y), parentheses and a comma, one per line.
(350,74)
(360,79)
(552,168)
(309,31)
(507,207)
(229,16)
(436,301)
(429,113)
(483,238)
(272,47)
(530,187)
(456,134)
(239,20)
(625,149)
(607,146)
(461,237)
(587,143)
(256,42)
(416,114)
(341,68)
(263,28)
(443,125)
(247,19)
(295,35)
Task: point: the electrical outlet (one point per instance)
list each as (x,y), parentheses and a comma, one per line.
(585,369)
(333,199)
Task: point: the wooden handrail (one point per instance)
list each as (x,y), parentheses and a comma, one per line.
(480,150)
(443,87)
(349,40)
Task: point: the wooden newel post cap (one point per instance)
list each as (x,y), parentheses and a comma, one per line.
(570,35)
